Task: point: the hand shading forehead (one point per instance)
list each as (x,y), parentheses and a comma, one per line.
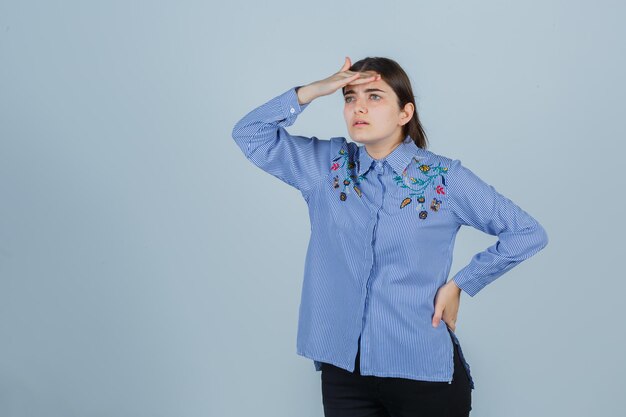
(376,86)
(369,73)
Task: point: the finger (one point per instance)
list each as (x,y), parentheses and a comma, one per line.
(350,80)
(364,74)
(357,81)
(362,78)
(346,65)
(437,316)
(452,324)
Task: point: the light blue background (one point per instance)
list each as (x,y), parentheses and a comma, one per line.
(148,269)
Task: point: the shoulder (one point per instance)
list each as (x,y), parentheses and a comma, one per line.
(462,182)
(434,159)
(341,142)
(458,179)
(339,146)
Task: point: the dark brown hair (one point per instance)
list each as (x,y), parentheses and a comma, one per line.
(398,80)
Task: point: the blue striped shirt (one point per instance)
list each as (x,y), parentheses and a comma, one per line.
(382,237)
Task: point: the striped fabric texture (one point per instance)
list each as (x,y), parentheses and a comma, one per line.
(382,240)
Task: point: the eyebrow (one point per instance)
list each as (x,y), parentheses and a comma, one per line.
(368,90)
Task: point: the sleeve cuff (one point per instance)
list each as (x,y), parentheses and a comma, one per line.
(289,102)
(467,284)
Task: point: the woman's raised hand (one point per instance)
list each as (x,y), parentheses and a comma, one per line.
(336,81)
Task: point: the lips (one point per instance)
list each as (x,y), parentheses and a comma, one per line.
(360,123)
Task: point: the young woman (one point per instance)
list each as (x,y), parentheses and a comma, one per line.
(384,217)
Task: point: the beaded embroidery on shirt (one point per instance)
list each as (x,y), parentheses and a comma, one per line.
(343,161)
(417,186)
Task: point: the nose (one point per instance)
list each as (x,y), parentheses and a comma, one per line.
(359,106)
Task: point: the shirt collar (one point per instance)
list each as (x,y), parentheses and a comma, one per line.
(399,158)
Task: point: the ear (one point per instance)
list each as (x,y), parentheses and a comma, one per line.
(407,113)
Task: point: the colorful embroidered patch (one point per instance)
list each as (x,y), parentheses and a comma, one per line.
(417,186)
(343,161)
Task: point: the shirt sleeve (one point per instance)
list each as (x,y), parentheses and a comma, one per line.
(478,204)
(296,160)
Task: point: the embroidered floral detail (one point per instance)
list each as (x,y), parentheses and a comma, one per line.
(341,161)
(434,205)
(417,186)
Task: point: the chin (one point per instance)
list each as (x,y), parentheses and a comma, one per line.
(364,139)
(360,137)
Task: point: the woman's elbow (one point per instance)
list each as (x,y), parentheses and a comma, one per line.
(539,237)
(531,240)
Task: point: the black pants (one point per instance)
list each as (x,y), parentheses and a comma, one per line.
(350,394)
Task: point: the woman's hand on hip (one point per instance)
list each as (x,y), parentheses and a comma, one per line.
(447,302)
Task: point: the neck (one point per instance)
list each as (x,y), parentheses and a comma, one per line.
(381,150)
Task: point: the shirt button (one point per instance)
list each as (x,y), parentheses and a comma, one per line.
(292,110)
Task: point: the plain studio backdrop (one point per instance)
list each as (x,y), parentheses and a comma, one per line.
(147,268)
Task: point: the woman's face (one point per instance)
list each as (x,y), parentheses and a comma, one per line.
(376,104)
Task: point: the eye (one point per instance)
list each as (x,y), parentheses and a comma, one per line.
(348,99)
